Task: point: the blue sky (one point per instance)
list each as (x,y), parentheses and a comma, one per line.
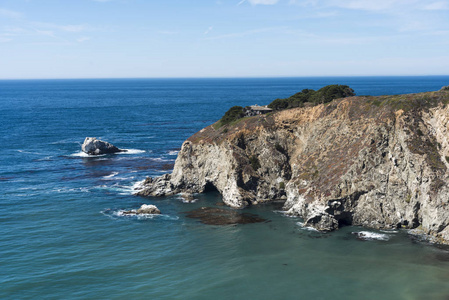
(222,38)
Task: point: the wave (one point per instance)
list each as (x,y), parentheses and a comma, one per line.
(121,213)
(308,228)
(132,151)
(83,154)
(137,186)
(128,151)
(29,152)
(110,176)
(173,152)
(369,235)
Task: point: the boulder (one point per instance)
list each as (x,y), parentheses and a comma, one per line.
(93,146)
(148,209)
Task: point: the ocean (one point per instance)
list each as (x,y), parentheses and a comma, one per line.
(62,234)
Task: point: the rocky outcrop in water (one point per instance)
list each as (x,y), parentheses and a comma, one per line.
(93,146)
(379,162)
(143,210)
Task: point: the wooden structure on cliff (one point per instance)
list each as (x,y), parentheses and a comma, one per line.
(255,110)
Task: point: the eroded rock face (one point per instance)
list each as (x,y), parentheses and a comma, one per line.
(93,146)
(379,162)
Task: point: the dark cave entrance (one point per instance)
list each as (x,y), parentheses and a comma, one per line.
(210,187)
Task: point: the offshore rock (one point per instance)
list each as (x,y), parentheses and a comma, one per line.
(148,209)
(93,146)
(379,162)
(160,186)
(143,210)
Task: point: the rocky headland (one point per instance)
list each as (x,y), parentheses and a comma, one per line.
(380,162)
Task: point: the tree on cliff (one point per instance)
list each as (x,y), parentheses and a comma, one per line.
(323,95)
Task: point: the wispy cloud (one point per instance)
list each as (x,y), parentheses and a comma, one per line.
(244,33)
(263,2)
(208,30)
(241,2)
(168,32)
(9,13)
(83,39)
(440,5)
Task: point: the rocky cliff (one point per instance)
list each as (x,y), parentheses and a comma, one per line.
(379,162)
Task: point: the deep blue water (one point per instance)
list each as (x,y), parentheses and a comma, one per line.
(61,236)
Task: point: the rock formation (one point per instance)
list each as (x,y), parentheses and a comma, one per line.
(93,146)
(379,162)
(144,209)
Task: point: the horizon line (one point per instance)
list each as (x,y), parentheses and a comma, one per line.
(219,77)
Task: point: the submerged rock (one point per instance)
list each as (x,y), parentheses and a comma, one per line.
(220,216)
(93,146)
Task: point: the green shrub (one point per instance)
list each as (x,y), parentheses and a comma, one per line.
(233,114)
(281,185)
(254,161)
(323,95)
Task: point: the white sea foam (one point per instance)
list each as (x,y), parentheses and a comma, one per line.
(368,235)
(132,215)
(308,228)
(137,186)
(173,152)
(109,177)
(161,159)
(82,154)
(132,151)
(28,152)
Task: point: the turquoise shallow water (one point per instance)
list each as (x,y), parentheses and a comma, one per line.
(62,237)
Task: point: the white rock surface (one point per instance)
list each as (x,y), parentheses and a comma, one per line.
(93,146)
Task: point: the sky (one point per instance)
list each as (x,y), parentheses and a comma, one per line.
(222,38)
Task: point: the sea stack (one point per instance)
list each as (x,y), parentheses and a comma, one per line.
(93,146)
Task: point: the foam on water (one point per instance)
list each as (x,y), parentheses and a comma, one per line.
(121,213)
(132,151)
(83,154)
(173,152)
(308,228)
(110,176)
(369,235)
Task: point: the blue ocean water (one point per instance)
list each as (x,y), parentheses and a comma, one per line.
(62,235)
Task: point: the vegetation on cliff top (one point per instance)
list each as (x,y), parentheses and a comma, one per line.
(323,95)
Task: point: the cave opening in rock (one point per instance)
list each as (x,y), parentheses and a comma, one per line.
(210,187)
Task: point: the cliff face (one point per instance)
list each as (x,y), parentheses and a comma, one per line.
(380,162)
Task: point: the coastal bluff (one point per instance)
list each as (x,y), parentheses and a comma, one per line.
(375,161)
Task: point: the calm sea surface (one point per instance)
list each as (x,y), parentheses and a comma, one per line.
(62,235)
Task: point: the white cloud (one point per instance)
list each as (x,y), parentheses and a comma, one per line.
(263,2)
(208,30)
(83,39)
(241,2)
(9,13)
(441,5)
(45,32)
(244,33)
(168,32)
(73,28)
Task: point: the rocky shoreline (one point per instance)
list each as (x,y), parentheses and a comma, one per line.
(379,162)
